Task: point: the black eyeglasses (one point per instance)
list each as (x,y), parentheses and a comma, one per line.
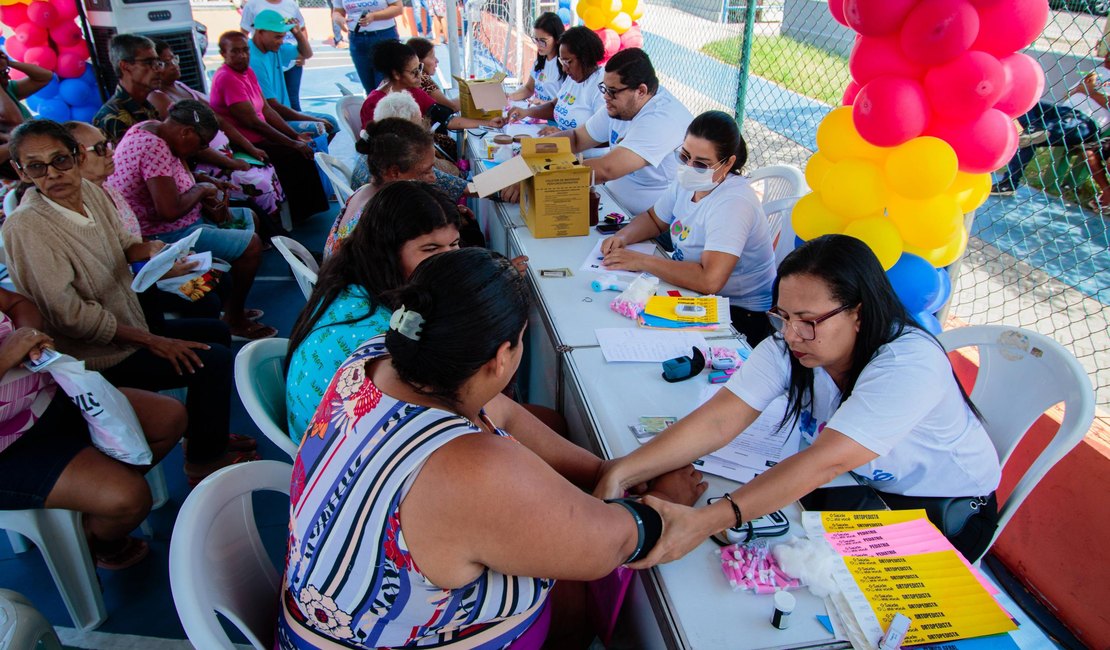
(806,329)
(417,71)
(685,159)
(154,62)
(611,92)
(62,163)
(101,149)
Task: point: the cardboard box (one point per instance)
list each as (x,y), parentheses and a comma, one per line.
(555,187)
(482,99)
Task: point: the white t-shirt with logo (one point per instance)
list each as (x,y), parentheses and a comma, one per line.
(1084,104)
(577,101)
(287,8)
(355,9)
(729,220)
(653,134)
(546,82)
(906,407)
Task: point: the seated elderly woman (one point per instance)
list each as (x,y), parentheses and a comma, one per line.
(170,203)
(403,224)
(46,457)
(419,488)
(872,393)
(68,251)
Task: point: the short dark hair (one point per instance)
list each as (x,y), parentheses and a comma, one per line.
(229,35)
(585,44)
(634,68)
(420,45)
(720,128)
(472,300)
(41,127)
(195,114)
(371,257)
(124,47)
(552,24)
(160,46)
(391,56)
(393,142)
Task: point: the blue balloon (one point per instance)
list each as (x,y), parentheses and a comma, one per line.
(798,241)
(33,102)
(564,4)
(564,15)
(85,112)
(915,281)
(942,295)
(75,92)
(54,109)
(928,322)
(50,90)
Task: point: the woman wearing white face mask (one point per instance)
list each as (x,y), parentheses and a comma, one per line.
(722,243)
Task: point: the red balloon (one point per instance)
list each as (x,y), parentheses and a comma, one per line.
(66,34)
(71,65)
(13,15)
(1013,25)
(890,110)
(632,38)
(981,145)
(965,86)
(850,92)
(1024,84)
(16,49)
(876,17)
(67,9)
(80,49)
(875,57)
(41,56)
(611,40)
(836,8)
(31,34)
(42,13)
(938,31)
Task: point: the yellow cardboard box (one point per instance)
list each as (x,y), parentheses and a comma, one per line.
(555,187)
(482,99)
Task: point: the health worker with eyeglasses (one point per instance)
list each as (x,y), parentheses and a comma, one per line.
(547,74)
(871,392)
(721,239)
(642,124)
(140,71)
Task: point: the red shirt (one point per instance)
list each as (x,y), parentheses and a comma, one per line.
(366,114)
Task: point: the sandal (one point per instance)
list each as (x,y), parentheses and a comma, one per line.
(131,551)
(1099,208)
(237,442)
(253,332)
(197,472)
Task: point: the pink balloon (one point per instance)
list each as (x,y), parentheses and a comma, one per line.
(80,49)
(16,49)
(632,38)
(1013,25)
(875,57)
(890,110)
(876,17)
(13,15)
(42,13)
(966,86)
(981,145)
(836,8)
(66,34)
(70,65)
(938,31)
(31,34)
(610,40)
(850,92)
(67,9)
(41,56)
(1024,84)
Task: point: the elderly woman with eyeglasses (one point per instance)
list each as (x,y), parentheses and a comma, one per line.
(722,242)
(70,253)
(871,392)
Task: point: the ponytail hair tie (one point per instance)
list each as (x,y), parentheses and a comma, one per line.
(406,322)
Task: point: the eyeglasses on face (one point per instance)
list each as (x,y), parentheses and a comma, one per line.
(685,159)
(611,92)
(62,163)
(102,148)
(153,62)
(417,71)
(805,329)
(171,60)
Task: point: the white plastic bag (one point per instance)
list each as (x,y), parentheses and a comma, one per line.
(113,425)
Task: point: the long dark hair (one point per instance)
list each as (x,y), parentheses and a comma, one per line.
(472,300)
(720,128)
(854,277)
(400,212)
(552,24)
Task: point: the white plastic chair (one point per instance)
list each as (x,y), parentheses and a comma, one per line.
(218,563)
(337,173)
(779,182)
(10,202)
(782,232)
(23,626)
(260,380)
(1021,375)
(301,262)
(347,110)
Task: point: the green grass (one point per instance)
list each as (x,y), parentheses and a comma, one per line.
(1041,173)
(802,68)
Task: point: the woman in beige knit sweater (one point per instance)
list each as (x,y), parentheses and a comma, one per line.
(68,251)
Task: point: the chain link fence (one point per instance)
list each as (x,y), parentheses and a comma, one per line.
(1037,259)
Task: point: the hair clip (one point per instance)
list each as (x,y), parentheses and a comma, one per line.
(196,117)
(407,322)
(364,136)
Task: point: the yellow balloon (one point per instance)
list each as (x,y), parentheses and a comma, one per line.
(926,223)
(5,3)
(621,24)
(970,190)
(638,12)
(812,218)
(854,188)
(921,168)
(816,168)
(838,139)
(629,6)
(612,8)
(594,19)
(582,10)
(881,237)
(944,255)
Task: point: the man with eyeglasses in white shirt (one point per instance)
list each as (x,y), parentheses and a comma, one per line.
(140,71)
